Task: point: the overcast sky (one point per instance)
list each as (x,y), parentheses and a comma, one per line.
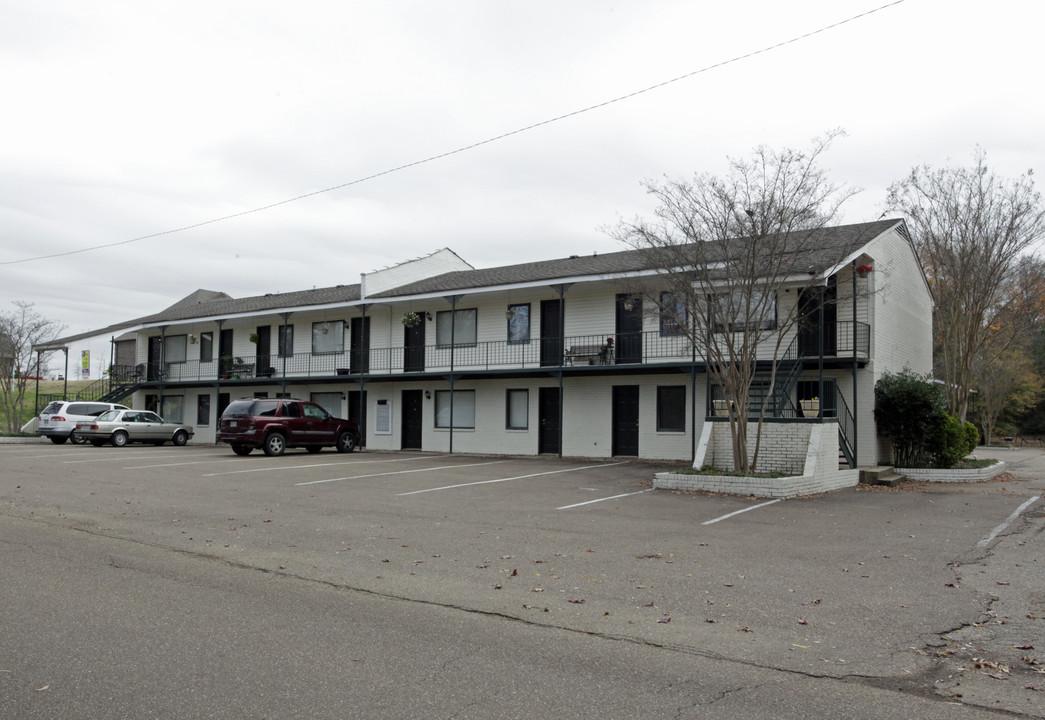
(124,119)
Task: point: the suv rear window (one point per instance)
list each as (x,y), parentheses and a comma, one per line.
(239,407)
(52,407)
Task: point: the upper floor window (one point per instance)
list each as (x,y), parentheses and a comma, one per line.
(206,346)
(673,315)
(328,337)
(744,310)
(286,341)
(174,349)
(519,324)
(456,327)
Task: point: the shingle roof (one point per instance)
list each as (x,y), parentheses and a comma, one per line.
(828,245)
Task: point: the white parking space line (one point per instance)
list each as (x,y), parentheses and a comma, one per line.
(214,459)
(1008,521)
(518,477)
(738,512)
(614,497)
(280,468)
(122,457)
(400,472)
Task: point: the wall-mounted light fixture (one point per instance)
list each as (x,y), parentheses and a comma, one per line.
(428,394)
(428,316)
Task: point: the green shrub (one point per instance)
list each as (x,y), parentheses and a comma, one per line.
(948,443)
(972,437)
(908,411)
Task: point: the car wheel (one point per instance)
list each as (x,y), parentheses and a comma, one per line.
(314,448)
(275,444)
(76,439)
(242,449)
(119,438)
(58,440)
(97,443)
(346,442)
(180,438)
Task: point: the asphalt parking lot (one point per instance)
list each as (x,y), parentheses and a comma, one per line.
(884,586)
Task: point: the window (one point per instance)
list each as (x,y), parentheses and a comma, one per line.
(518,324)
(463,322)
(172,408)
(206,347)
(671,408)
(464,409)
(673,315)
(286,341)
(733,311)
(174,349)
(518,410)
(328,337)
(203,409)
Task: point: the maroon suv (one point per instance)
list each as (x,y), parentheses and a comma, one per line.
(276,424)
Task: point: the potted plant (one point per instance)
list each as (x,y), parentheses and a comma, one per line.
(254,338)
(863,270)
(721,407)
(810,407)
(411,319)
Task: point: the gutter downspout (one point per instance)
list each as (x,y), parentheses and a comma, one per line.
(856,393)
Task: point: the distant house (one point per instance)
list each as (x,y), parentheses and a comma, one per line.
(545,357)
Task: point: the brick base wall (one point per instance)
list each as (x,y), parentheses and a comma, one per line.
(807,451)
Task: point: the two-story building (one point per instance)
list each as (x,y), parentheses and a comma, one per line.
(549,356)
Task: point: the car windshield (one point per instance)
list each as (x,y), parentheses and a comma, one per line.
(108,416)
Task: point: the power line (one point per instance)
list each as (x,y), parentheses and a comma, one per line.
(466,148)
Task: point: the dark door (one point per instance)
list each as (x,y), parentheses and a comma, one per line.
(551,333)
(413,412)
(626,420)
(225,351)
(155,351)
(809,303)
(549,432)
(414,346)
(263,353)
(629,329)
(359,344)
(357,413)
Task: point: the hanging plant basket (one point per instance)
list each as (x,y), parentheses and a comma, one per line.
(411,319)
(863,270)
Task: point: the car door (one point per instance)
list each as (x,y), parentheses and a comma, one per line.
(293,421)
(321,425)
(151,426)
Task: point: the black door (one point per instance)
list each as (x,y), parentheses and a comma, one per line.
(155,351)
(414,346)
(413,412)
(357,413)
(809,332)
(626,420)
(263,353)
(551,333)
(549,432)
(359,339)
(629,329)
(225,351)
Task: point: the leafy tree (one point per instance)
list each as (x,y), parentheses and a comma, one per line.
(20,331)
(1008,385)
(721,248)
(973,231)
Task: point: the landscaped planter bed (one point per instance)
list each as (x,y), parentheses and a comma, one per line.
(953,475)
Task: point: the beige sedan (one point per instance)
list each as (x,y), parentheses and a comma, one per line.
(120,427)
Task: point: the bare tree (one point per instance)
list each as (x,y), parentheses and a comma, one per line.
(20,331)
(1007,384)
(722,248)
(974,231)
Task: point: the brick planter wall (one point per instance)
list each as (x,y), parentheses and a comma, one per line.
(939,475)
(807,450)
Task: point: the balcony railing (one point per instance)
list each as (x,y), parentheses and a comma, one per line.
(647,348)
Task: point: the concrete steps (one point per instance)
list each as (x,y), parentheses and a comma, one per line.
(882,475)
